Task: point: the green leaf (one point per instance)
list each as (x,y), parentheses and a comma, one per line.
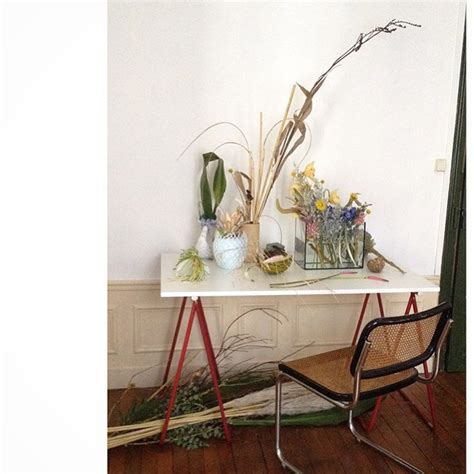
(208,157)
(206,198)
(219,184)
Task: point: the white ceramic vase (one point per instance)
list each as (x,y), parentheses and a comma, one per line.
(206,237)
(229,250)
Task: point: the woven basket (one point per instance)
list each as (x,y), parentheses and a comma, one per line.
(275,267)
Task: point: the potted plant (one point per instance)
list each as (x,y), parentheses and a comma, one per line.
(210,201)
(230,242)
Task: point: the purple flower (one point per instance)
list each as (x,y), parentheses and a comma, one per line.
(349,213)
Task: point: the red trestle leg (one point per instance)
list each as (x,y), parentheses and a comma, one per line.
(182,357)
(175,338)
(429,388)
(409,305)
(212,367)
(379,300)
(373,416)
(361,317)
(378,402)
(207,337)
(415,408)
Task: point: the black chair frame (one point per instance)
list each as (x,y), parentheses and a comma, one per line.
(357,371)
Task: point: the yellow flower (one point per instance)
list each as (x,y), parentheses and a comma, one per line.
(368,211)
(293,173)
(334,197)
(309,170)
(354,196)
(320,205)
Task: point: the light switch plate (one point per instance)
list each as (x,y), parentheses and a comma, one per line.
(440,165)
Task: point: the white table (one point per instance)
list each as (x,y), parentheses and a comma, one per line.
(248,281)
(236,283)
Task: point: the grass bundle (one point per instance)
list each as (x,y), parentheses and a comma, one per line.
(190,266)
(127,434)
(300,407)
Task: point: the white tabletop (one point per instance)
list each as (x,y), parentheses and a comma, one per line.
(251,281)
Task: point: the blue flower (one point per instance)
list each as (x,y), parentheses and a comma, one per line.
(349,213)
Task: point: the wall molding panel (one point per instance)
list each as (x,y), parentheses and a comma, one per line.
(112,329)
(141,325)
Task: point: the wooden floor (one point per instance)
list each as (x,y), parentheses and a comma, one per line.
(330,449)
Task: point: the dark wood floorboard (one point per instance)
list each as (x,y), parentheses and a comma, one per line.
(248,455)
(330,449)
(226,457)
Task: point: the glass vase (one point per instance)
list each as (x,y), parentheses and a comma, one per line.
(315,250)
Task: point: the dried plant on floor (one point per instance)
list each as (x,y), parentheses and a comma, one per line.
(195,418)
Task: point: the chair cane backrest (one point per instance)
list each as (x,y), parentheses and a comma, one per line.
(402,342)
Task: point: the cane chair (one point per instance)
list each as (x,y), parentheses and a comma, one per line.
(383,360)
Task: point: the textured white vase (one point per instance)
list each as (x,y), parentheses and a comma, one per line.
(230,250)
(206,237)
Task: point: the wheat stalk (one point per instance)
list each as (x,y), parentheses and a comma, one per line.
(139,431)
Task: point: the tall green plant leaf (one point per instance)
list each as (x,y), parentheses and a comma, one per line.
(208,157)
(219,184)
(206,198)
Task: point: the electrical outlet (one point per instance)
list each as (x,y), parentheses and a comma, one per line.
(440,165)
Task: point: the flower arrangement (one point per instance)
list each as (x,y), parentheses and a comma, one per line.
(333,233)
(230,224)
(230,242)
(266,163)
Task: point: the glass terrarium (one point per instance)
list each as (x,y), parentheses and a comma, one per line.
(319,246)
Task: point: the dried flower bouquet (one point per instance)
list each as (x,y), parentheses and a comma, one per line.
(256,184)
(334,232)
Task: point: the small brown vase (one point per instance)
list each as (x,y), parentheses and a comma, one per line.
(253,241)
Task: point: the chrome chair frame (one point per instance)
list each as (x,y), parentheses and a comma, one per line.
(355,399)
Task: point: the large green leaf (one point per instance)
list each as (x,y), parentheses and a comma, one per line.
(219,183)
(332,416)
(206,198)
(208,157)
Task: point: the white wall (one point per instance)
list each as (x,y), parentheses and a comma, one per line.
(379,122)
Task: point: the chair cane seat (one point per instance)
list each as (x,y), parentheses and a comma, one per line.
(329,373)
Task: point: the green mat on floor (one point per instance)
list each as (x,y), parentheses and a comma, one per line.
(333,416)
